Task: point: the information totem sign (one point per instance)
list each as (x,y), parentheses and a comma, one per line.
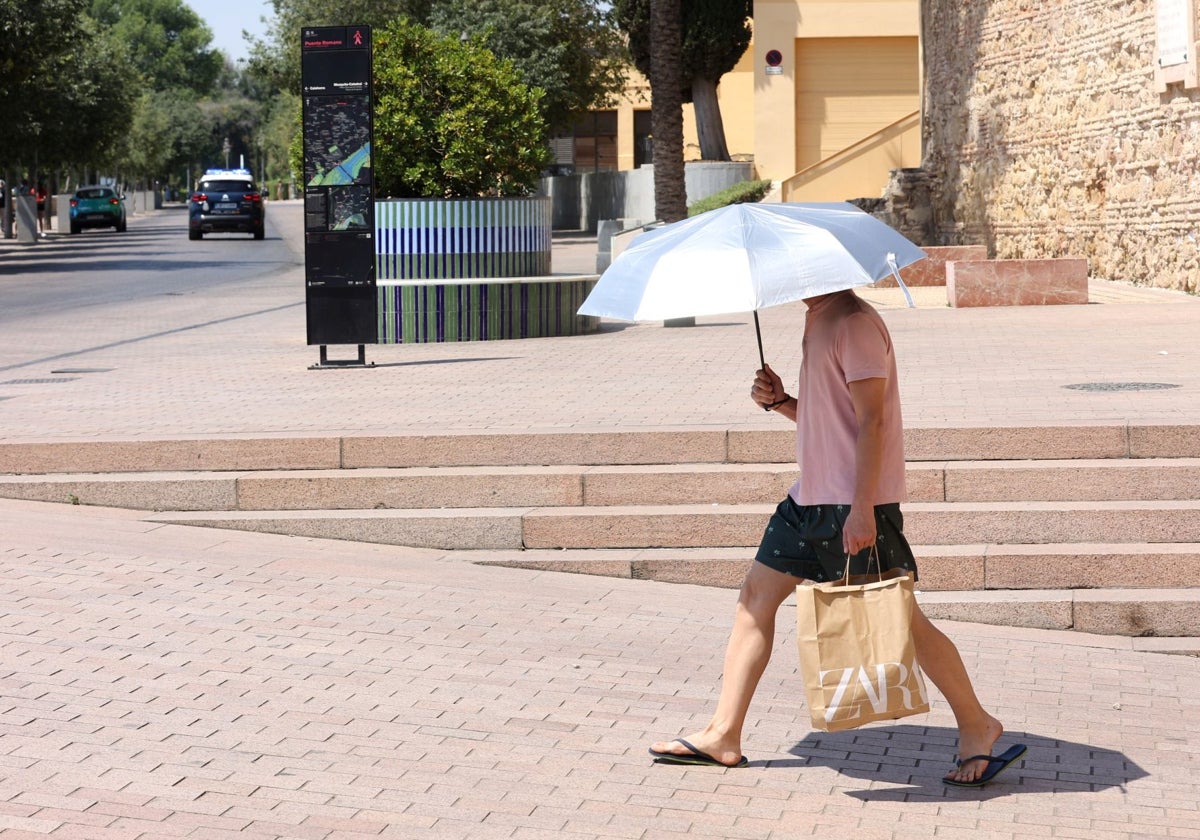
(339,193)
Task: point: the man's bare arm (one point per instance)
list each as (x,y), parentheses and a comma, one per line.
(868,398)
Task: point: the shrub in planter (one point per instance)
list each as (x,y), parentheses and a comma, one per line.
(747,192)
(451,119)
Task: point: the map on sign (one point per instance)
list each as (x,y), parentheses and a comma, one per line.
(338,147)
(350,208)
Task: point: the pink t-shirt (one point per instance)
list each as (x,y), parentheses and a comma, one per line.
(845,340)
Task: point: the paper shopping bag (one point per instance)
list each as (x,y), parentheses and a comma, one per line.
(856,650)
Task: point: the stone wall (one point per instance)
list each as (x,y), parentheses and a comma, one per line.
(1046,136)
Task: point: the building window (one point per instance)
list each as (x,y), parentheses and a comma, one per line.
(1175,56)
(596,142)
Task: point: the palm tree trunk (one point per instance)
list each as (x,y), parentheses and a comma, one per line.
(666,110)
(709,125)
(666,116)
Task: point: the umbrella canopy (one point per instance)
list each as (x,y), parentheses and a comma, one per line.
(745,257)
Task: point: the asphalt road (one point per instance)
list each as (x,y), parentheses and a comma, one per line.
(69,295)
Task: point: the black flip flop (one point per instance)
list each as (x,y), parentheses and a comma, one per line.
(996,765)
(697,756)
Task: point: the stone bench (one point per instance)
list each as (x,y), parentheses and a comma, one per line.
(931,271)
(1047,282)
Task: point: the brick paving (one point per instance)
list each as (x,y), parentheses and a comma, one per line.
(158,681)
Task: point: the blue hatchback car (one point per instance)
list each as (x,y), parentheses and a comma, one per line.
(97,207)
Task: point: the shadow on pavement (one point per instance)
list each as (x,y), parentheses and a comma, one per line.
(888,755)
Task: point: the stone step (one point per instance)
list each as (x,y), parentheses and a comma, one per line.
(572,485)
(456,528)
(926,523)
(593,447)
(942,568)
(1112,612)
(1015,523)
(1172,613)
(700,526)
(1128,479)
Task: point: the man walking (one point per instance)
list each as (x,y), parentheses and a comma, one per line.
(850,450)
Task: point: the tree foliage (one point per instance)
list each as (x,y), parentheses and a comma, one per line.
(63,93)
(168,43)
(63,90)
(451,119)
(277,58)
(571,49)
(715,35)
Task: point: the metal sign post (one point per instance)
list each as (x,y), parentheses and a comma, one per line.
(339,193)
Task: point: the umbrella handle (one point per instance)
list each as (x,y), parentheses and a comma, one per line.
(762,362)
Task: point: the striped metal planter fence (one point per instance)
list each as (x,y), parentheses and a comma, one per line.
(471,269)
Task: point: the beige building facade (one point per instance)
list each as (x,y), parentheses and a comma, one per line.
(826,100)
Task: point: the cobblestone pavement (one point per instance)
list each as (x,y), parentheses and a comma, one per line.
(161,682)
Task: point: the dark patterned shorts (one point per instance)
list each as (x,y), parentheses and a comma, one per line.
(806,542)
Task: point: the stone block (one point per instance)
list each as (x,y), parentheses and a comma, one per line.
(1160,612)
(147,491)
(100,456)
(994,443)
(950,568)
(1090,565)
(726,484)
(931,271)
(673,526)
(1017,282)
(450,530)
(417,488)
(666,446)
(1042,609)
(721,573)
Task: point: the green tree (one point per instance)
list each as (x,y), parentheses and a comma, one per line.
(715,35)
(231,117)
(275,133)
(168,134)
(571,49)
(63,90)
(168,43)
(277,57)
(451,119)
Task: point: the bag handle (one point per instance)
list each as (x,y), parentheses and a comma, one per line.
(874,555)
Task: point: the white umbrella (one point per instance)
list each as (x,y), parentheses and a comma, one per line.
(744,257)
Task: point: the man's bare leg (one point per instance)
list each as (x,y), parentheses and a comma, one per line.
(939,659)
(746,657)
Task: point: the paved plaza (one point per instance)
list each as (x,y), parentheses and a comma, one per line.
(159,681)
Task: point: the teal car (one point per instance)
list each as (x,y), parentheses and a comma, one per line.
(97,207)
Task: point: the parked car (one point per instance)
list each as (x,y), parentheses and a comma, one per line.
(226,201)
(97,206)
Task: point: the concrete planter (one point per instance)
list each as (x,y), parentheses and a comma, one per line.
(471,269)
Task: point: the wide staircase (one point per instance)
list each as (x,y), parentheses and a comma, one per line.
(1092,528)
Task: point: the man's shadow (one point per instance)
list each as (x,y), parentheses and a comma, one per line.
(908,763)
